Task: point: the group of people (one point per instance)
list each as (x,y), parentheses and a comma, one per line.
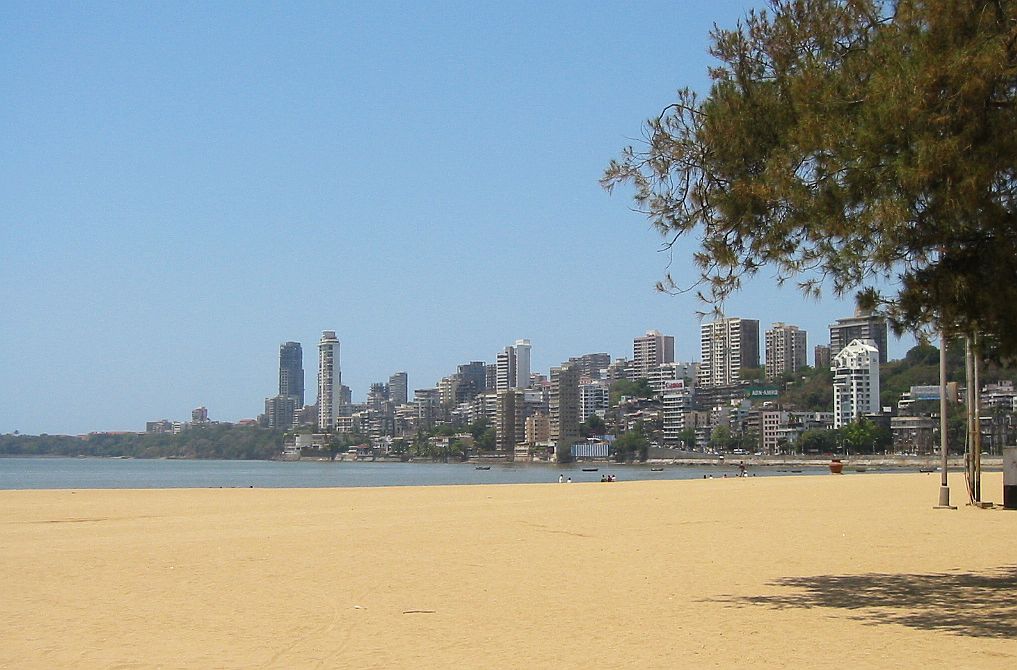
(604,478)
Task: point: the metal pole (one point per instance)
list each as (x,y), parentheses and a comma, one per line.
(944,488)
(976,409)
(969,433)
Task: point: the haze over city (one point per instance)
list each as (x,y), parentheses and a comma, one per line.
(187,186)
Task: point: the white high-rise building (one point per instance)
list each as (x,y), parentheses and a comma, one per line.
(522,348)
(728,345)
(785,350)
(649,351)
(669,372)
(594,398)
(513,367)
(675,399)
(329,381)
(506,369)
(855,381)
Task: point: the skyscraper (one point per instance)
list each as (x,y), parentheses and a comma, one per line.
(728,345)
(329,381)
(291,371)
(649,351)
(397,388)
(522,379)
(506,366)
(785,350)
(564,408)
(855,382)
(861,326)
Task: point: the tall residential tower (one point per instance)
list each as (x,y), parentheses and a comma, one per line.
(650,351)
(522,348)
(291,371)
(855,382)
(728,346)
(329,381)
(785,350)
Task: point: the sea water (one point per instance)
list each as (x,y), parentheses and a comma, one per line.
(115,473)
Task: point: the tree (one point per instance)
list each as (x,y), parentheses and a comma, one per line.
(488,440)
(639,388)
(850,141)
(477,429)
(687,437)
(631,445)
(859,435)
(819,441)
(721,438)
(593,426)
(752,374)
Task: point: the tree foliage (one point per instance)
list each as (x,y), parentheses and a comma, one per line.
(218,441)
(638,388)
(812,391)
(631,445)
(865,436)
(819,441)
(593,426)
(855,142)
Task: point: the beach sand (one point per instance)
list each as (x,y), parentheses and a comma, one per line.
(852,571)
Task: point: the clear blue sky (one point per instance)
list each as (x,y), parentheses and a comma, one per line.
(187,185)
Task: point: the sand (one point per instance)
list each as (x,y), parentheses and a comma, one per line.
(853,571)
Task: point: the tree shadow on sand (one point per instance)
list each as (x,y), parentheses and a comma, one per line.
(963,603)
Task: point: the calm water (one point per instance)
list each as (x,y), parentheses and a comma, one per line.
(111,473)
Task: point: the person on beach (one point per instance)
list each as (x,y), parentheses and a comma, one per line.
(569,480)
(561,478)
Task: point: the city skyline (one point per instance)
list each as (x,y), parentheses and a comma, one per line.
(176,174)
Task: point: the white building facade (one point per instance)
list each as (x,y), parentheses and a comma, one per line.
(785,350)
(675,398)
(649,351)
(855,381)
(727,346)
(594,398)
(329,381)
(522,348)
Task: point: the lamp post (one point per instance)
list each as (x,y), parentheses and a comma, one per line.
(944,488)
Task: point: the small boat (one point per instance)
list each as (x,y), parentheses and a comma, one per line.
(656,469)
(483,467)
(795,471)
(836,467)
(927,469)
(590,469)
